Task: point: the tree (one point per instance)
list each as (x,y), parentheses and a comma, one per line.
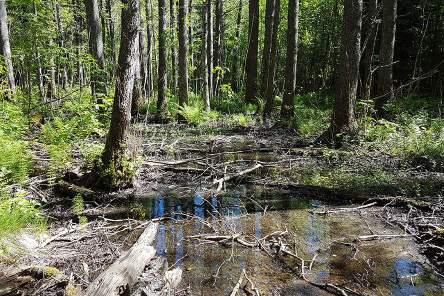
(271,70)
(5,45)
(162,103)
(98,84)
(387,49)
(174,80)
(369,49)
(219,43)
(210,55)
(183,52)
(235,62)
(115,155)
(344,117)
(253,48)
(287,108)
(149,50)
(204,61)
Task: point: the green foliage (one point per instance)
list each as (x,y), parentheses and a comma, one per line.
(313,112)
(18,212)
(195,113)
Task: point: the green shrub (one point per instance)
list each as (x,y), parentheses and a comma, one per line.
(18,212)
(195,113)
(15,161)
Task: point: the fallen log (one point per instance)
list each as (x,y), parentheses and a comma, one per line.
(123,274)
(220,182)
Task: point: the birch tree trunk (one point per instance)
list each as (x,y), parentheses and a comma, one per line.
(5,45)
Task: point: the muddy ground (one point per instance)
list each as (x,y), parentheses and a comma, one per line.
(178,161)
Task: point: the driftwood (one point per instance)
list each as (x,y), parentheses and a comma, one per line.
(220,182)
(123,274)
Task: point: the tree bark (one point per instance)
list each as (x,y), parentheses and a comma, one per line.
(235,66)
(253,47)
(204,62)
(149,50)
(162,104)
(210,53)
(287,109)
(98,84)
(115,153)
(266,51)
(344,117)
(385,72)
(174,80)
(5,45)
(143,51)
(219,43)
(183,53)
(111,30)
(370,40)
(271,70)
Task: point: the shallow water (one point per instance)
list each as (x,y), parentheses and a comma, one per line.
(388,267)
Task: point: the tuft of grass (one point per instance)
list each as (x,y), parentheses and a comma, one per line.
(19,212)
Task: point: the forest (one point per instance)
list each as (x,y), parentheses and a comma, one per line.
(221,147)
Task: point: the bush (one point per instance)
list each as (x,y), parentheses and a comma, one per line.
(19,212)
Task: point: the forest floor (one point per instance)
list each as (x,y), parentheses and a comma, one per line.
(87,235)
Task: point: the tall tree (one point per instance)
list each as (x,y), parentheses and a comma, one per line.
(271,70)
(5,45)
(183,52)
(253,48)
(235,62)
(344,117)
(204,59)
(387,49)
(149,50)
(266,51)
(174,80)
(162,103)
(116,147)
(210,45)
(138,90)
(219,42)
(98,84)
(371,27)
(287,109)
(111,30)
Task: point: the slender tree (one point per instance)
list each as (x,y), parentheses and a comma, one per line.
(111,30)
(116,147)
(371,26)
(98,84)
(219,36)
(344,117)
(204,61)
(385,72)
(149,50)
(183,52)
(5,45)
(235,62)
(266,51)
(253,48)
(162,104)
(287,109)
(173,30)
(271,70)
(210,53)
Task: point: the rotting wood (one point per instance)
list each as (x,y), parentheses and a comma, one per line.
(220,182)
(123,274)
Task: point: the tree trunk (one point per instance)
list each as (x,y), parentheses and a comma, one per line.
(266,53)
(149,50)
(210,46)
(143,57)
(190,42)
(287,109)
(253,47)
(111,30)
(183,53)
(271,70)
(162,104)
(370,42)
(235,66)
(174,80)
(385,72)
(344,117)
(98,84)
(115,154)
(219,43)
(204,56)
(5,45)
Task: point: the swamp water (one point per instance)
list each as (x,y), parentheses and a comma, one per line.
(380,267)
